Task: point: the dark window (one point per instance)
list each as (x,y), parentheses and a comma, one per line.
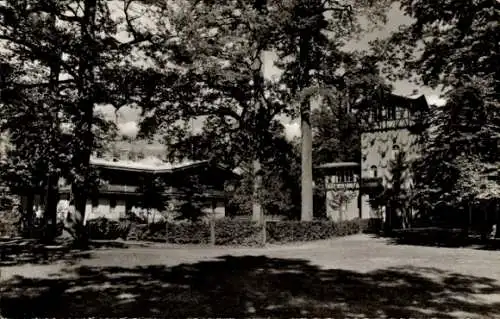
(95,202)
(391,113)
(395,151)
(374,171)
(112,202)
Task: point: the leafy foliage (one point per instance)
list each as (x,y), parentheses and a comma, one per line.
(152,188)
(463,143)
(447,43)
(398,193)
(102,228)
(247,233)
(74,60)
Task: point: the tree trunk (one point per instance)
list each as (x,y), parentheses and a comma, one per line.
(307,171)
(497,215)
(50,214)
(85,116)
(212,224)
(29,215)
(257,184)
(78,219)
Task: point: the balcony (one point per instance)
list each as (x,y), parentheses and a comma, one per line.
(370,184)
(134,190)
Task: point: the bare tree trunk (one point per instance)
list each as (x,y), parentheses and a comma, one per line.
(497,215)
(50,214)
(257,184)
(212,224)
(307,171)
(85,119)
(29,214)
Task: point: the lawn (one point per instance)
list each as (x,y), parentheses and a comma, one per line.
(355,276)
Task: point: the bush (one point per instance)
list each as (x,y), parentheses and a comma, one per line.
(188,233)
(371,225)
(237,232)
(292,231)
(103,228)
(10,223)
(244,232)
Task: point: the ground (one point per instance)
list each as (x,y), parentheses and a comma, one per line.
(355,276)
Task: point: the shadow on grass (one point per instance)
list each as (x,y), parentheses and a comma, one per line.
(255,286)
(440,237)
(27,251)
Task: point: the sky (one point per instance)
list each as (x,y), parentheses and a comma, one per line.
(127,117)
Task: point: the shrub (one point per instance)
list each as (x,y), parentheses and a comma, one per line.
(291,231)
(371,225)
(244,232)
(237,232)
(188,233)
(103,228)
(10,223)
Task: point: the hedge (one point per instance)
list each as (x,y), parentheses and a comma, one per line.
(292,231)
(244,232)
(103,228)
(237,232)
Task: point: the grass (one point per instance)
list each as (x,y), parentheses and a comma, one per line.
(353,276)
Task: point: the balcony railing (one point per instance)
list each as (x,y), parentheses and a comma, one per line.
(371,182)
(135,190)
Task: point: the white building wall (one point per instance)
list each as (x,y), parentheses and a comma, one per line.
(120,208)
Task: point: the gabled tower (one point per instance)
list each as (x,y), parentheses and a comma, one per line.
(394,125)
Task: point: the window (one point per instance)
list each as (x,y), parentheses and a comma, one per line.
(112,202)
(349,176)
(95,201)
(395,151)
(374,172)
(391,112)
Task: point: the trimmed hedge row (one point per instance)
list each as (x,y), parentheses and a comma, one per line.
(292,231)
(103,228)
(227,231)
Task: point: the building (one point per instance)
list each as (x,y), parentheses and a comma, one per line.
(124,174)
(394,125)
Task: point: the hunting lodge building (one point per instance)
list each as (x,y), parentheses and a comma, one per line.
(393,126)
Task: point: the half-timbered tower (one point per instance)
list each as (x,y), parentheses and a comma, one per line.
(394,124)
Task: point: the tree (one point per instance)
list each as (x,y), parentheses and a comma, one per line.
(456,153)
(310,54)
(152,197)
(449,44)
(37,152)
(446,44)
(339,119)
(96,67)
(225,42)
(280,188)
(397,195)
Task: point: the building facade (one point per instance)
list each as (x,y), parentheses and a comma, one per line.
(394,126)
(125,176)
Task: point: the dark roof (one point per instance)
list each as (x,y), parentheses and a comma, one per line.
(338,165)
(418,103)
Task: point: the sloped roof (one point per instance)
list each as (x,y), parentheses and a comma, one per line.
(338,165)
(149,164)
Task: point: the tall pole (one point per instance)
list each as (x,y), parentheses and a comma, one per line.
(306,163)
